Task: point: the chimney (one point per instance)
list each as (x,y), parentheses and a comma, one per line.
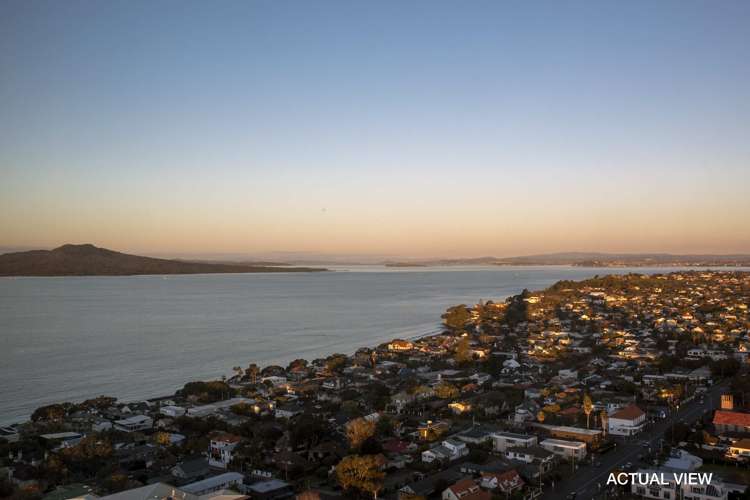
(727,402)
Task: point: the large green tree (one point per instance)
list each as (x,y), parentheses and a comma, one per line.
(456,318)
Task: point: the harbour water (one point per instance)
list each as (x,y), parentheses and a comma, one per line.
(71,338)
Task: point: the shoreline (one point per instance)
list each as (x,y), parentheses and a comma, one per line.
(435,330)
(431,333)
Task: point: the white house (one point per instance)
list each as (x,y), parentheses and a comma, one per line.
(506,482)
(627,421)
(275,380)
(287,410)
(450,449)
(172,411)
(10,434)
(565,449)
(532,455)
(667,487)
(567,374)
(228,480)
(220,449)
(218,406)
(511,364)
(503,440)
(63,439)
(717,490)
(136,423)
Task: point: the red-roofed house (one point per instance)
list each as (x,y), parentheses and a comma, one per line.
(398,446)
(731,421)
(626,421)
(507,482)
(466,489)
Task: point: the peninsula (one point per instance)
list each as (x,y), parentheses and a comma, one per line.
(89,260)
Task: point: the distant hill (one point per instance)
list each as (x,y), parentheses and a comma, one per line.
(591,259)
(88,260)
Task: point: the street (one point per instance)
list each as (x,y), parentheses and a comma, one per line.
(589,480)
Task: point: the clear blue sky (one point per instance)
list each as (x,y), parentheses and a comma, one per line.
(409,128)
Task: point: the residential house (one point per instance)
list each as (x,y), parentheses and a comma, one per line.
(667,487)
(400,345)
(503,440)
(731,421)
(192,469)
(214,484)
(569,450)
(136,423)
(270,489)
(220,449)
(739,450)
(448,450)
(505,482)
(287,410)
(537,455)
(627,421)
(429,431)
(588,436)
(465,489)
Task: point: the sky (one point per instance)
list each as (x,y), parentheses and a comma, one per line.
(415,129)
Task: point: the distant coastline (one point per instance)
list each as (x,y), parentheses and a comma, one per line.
(589,259)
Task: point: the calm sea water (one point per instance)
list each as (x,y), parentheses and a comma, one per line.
(67,339)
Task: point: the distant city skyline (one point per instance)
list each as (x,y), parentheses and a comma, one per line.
(422,130)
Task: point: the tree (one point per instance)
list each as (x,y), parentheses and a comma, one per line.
(88,455)
(252,372)
(588,407)
(444,390)
(384,426)
(162,438)
(604,419)
(49,413)
(116,482)
(207,392)
(243,409)
(377,395)
(350,408)
(725,367)
(297,364)
(336,362)
(463,353)
(358,430)
(361,473)
(456,318)
(307,431)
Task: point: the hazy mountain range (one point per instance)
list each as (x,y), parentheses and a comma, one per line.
(590,259)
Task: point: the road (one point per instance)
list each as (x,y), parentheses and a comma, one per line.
(586,479)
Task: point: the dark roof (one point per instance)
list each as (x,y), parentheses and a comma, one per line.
(195,466)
